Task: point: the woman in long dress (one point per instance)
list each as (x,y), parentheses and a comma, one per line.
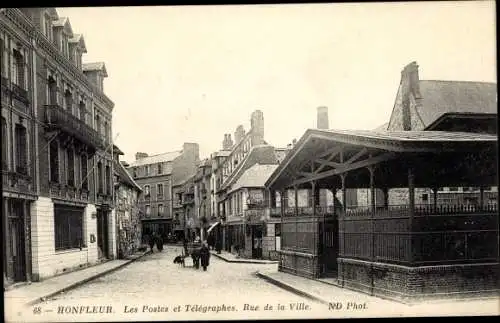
(205,256)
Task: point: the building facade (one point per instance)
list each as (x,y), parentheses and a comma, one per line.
(128,222)
(59,148)
(157,175)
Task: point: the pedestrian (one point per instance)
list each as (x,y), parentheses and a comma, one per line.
(204,255)
(152,241)
(218,246)
(159,243)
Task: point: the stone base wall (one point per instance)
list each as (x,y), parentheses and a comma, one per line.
(299,263)
(409,284)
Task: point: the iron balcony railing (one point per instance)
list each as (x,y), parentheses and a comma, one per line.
(56,116)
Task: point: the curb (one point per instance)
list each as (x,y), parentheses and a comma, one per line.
(83,281)
(244,261)
(290,288)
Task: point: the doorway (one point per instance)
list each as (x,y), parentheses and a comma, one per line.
(329,247)
(102,234)
(16,255)
(257,241)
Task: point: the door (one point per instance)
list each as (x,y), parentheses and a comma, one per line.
(329,247)
(256,241)
(102,234)
(16,255)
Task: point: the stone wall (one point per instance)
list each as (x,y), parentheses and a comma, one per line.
(411,284)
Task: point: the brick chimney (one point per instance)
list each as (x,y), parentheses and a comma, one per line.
(239,134)
(409,86)
(140,155)
(227,143)
(322,121)
(257,127)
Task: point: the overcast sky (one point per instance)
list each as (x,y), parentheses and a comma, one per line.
(192,73)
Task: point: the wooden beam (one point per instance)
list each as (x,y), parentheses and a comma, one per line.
(325,162)
(321,161)
(357,156)
(340,170)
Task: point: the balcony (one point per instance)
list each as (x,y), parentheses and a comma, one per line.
(20,93)
(104,199)
(66,192)
(57,117)
(16,182)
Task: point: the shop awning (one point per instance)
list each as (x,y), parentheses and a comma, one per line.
(212,227)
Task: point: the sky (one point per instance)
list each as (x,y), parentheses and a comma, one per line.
(193,73)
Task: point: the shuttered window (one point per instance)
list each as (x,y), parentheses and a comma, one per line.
(68,227)
(21,147)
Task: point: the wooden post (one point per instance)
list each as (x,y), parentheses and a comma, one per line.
(435,197)
(411,188)
(386,197)
(481,198)
(372,225)
(295,190)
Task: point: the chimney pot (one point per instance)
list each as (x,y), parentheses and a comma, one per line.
(322,118)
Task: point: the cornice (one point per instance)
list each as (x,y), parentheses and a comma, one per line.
(18,18)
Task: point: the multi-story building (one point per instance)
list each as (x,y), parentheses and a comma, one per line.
(157,175)
(128,222)
(202,196)
(57,158)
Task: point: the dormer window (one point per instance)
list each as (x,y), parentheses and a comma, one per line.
(64,44)
(47,27)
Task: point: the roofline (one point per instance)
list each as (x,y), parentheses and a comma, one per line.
(460,81)
(330,135)
(130,177)
(460,114)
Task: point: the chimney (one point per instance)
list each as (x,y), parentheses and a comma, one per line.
(257,127)
(409,86)
(322,122)
(239,134)
(140,155)
(227,144)
(191,150)
(294,141)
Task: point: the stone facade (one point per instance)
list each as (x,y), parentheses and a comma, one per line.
(64,129)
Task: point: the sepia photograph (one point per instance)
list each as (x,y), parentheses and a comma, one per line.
(251,161)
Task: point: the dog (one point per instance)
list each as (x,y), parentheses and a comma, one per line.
(179,260)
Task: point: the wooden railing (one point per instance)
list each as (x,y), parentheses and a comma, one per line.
(56,116)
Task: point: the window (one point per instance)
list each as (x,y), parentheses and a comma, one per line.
(18,72)
(21,147)
(160,169)
(148,210)
(5,160)
(81,111)
(98,123)
(109,180)
(70,157)
(54,161)
(425,197)
(106,131)
(159,189)
(160,209)
(83,162)
(134,170)
(48,27)
(147,170)
(453,189)
(100,178)
(68,227)
(52,85)
(2,58)
(68,101)
(146,190)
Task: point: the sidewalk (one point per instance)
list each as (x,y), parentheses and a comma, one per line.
(229,257)
(327,293)
(36,292)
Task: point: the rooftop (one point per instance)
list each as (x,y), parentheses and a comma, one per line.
(154,159)
(97,66)
(440,97)
(255,176)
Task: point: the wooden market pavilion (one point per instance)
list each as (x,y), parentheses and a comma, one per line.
(399,251)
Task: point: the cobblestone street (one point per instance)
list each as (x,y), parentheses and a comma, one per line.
(154,282)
